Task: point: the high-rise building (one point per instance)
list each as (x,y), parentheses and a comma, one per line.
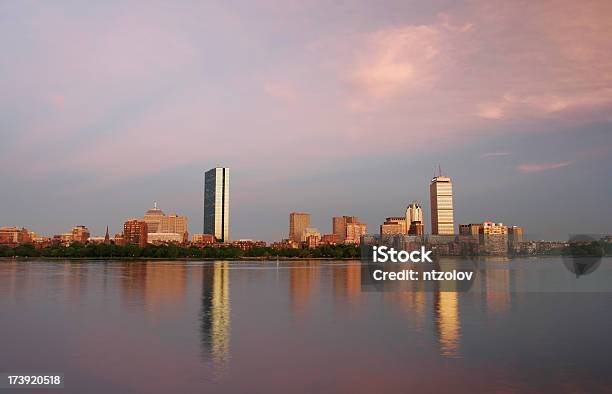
(348,229)
(298,223)
(80,234)
(153,218)
(216,203)
(339,227)
(354,231)
(174,224)
(441,196)
(515,237)
(394,226)
(160,223)
(135,232)
(414,213)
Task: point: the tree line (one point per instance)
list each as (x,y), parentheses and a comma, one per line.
(78,250)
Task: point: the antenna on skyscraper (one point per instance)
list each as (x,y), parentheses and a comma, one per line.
(154,204)
(439,170)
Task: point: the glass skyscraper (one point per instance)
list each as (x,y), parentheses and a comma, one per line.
(216,203)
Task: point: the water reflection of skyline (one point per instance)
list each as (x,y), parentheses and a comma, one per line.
(215,316)
(159,289)
(84,316)
(303,278)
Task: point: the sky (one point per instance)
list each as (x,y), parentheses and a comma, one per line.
(328,107)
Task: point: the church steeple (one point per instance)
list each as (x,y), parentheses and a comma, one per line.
(107,237)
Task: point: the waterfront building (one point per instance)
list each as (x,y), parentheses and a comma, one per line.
(515,238)
(14,236)
(298,223)
(153,217)
(330,239)
(348,229)
(248,244)
(80,234)
(285,244)
(394,225)
(164,238)
(135,232)
(118,240)
(491,238)
(441,198)
(354,231)
(216,203)
(203,239)
(174,224)
(158,222)
(311,232)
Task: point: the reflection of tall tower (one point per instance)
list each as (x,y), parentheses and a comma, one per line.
(497,284)
(441,196)
(301,280)
(133,282)
(165,288)
(216,313)
(446,316)
(216,203)
(347,281)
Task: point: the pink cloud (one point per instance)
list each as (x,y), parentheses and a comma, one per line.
(539,167)
(153,82)
(502,63)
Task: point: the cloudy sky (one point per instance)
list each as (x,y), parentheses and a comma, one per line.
(326,107)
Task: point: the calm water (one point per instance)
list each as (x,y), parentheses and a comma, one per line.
(307,327)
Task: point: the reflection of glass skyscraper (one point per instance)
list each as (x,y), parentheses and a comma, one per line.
(216,311)
(441,195)
(216,203)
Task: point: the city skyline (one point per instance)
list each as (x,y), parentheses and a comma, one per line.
(157,227)
(348,103)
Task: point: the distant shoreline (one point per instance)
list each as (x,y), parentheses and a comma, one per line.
(246,259)
(39,258)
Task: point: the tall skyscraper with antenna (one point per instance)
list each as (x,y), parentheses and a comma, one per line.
(441,198)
